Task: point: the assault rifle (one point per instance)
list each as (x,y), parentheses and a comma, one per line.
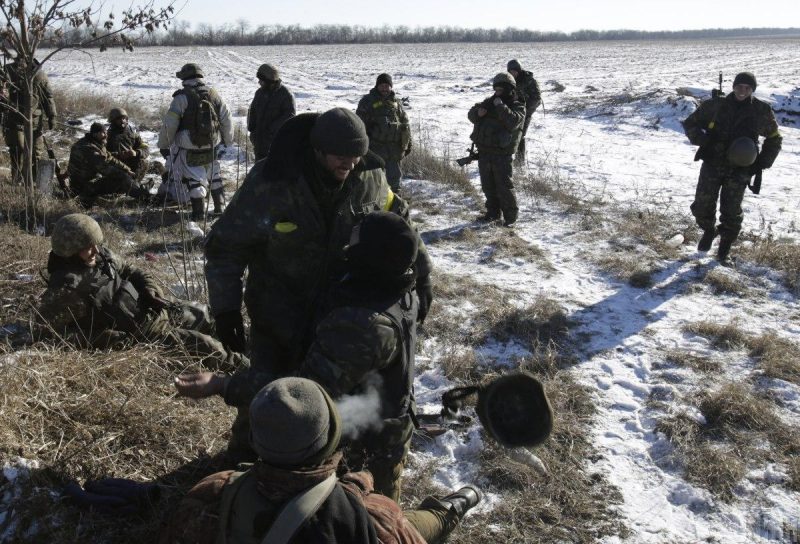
(717,93)
(472,155)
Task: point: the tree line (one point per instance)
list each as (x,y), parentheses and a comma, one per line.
(242,32)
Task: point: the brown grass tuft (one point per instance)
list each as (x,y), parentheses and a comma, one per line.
(724,336)
(722,282)
(422,163)
(74,103)
(783,256)
(779,358)
(629,267)
(699,363)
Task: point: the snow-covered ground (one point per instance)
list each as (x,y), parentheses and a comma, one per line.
(614,130)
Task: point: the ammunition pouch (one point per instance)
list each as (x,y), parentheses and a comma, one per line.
(199,157)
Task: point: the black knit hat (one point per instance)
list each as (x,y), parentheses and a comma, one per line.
(97,127)
(340,132)
(384,78)
(514,64)
(382,247)
(745,78)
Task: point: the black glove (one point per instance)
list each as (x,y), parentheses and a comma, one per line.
(755,184)
(113,496)
(702,139)
(230,331)
(425,296)
(164,153)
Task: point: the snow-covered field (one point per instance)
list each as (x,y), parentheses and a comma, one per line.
(614,130)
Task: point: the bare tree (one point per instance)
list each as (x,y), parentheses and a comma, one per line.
(74,26)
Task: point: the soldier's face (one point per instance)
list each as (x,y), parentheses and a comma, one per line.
(742,91)
(339,166)
(384,89)
(121,122)
(499,90)
(514,73)
(89,255)
(100,137)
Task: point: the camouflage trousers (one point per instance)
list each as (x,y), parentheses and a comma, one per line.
(15,140)
(385,463)
(112,184)
(393,174)
(497,185)
(519,157)
(726,184)
(433,520)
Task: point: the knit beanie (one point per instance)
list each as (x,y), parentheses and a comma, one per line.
(339,131)
(745,78)
(97,127)
(382,247)
(514,64)
(384,78)
(293,422)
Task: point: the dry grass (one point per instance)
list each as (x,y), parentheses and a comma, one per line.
(72,103)
(542,322)
(699,363)
(778,358)
(23,257)
(506,244)
(783,256)
(628,267)
(422,163)
(722,282)
(724,336)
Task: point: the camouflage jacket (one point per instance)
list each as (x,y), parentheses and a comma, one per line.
(499,131)
(528,91)
(89,160)
(88,304)
(268,111)
(276,229)
(42,106)
(387,125)
(171,127)
(123,139)
(719,121)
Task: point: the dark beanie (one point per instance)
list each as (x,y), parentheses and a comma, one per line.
(384,78)
(383,247)
(340,132)
(514,64)
(745,78)
(97,127)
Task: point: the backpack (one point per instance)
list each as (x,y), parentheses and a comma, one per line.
(200,118)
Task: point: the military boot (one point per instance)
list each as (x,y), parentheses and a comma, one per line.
(218,196)
(462,500)
(198,209)
(724,249)
(509,217)
(488,217)
(707,239)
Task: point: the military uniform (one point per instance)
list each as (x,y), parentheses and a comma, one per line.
(93,171)
(42,106)
(713,126)
(127,138)
(388,129)
(268,111)
(497,135)
(528,91)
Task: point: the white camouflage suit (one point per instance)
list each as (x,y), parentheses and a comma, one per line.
(186,181)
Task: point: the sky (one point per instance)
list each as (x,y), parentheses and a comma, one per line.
(549,15)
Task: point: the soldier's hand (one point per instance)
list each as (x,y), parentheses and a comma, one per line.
(164,153)
(482,112)
(497,101)
(200,385)
(425,295)
(230,330)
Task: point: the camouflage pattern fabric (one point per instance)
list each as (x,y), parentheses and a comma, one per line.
(387,125)
(728,184)
(268,111)
(128,139)
(499,131)
(497,184)
(529,93)
(89,161)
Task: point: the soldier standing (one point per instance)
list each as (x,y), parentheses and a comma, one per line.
(720,126)
(194,132)
(528,92)
(125,143)
(498,128)
(387,127)
(272,105)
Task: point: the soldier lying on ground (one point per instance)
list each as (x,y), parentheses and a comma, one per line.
(125,143)
(93,298)
(365,340)
(295,428)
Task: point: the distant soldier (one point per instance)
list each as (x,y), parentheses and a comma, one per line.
(528,92)
(125,143)
(364,342)
(94,298)
(292,493)
(193,135)
(15,98)
(727,130)
(94,172)
(387,127)
(272,105)
(498,124)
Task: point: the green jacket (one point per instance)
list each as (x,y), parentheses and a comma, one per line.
(42,106)
(121,139)
(719,121)
(387,125)
(268,111)
(528,91)
(499,131)
(290,242)
(89,160)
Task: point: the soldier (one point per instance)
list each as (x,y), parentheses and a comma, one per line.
(365,342)
(195,124)
(94,298)
(272,105)
(528,92)
(498,128)
(292,493)
(387,127)
(93,171)
(15,97)
(719,126)
(125,143)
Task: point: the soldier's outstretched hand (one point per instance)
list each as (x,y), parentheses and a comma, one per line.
(199,385)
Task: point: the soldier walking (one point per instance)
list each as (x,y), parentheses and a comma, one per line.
(498,124)
(387,126)
(272,105)
(724,128)
(125,143)
(193,135)
(528,92)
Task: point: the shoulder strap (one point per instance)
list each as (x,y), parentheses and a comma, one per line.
(298,510)
(232,487)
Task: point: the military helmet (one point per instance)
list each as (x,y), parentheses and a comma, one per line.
(116,113)
(73,233)
(504,78)
(742,152)
(515,411)
(189,71)
(268,72)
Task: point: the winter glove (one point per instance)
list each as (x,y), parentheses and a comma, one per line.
(425,296)
(755,184)
(407,152)
(164,153)
(230,331)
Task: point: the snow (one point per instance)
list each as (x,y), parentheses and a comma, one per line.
(614,131)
